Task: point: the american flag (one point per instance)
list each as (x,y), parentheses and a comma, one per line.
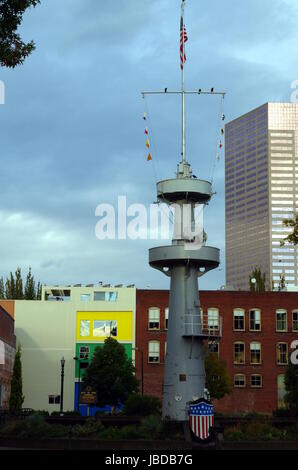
(201,418)
(183,39)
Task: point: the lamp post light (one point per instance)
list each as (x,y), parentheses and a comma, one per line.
(62,384)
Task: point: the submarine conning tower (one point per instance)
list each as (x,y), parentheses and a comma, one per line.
(188,327)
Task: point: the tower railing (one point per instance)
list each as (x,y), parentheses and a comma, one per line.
(202,325)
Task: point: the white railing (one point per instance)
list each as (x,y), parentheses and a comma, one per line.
(202,325)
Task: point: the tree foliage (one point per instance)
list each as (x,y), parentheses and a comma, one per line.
(292,238)
(291,383)
(111,374)
(13,50)
(217,378)
(13,289)
(16,399)
(260,280)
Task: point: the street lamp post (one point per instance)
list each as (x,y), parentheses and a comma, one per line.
(62,384)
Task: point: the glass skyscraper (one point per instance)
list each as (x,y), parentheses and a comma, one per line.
(261,168)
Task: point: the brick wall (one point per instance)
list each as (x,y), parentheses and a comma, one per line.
(264,399)
(7,346)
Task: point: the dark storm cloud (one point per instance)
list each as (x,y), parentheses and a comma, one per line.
(72,133)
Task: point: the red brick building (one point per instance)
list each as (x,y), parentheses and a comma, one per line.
(257,333)
(7,352)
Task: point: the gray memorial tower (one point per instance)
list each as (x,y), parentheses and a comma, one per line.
(186,259)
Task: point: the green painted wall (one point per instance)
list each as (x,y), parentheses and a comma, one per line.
(92,346)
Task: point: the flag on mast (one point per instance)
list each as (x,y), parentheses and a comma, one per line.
(183,39)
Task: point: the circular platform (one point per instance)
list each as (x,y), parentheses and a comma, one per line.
(190,189)
(174,255)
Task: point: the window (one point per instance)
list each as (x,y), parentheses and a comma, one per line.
(239,353)
(166,318)
(54,399)
(256,380)
(109,296)
(213,347)
(295,321)
(239,380)
(153,318)
(282,353)
(281,320)
(213,318)
(84,328)
(153,351)
(104,328)
(239,319)
(85,297)
(84,352)
(255,353)
(255,320)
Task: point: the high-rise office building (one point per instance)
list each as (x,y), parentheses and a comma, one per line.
(261,170)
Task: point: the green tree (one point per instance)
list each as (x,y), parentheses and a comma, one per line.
(111,374)
(16,399)
(13,50)
(30,291)
(259,284)
(2,289)
(282,283)
(291,383)
(217,378)
(292,238)
(10,287)
(38,291)
(19,294)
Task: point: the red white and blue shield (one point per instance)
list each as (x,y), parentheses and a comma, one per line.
(201,418)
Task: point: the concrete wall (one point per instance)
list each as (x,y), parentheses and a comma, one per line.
(46,331)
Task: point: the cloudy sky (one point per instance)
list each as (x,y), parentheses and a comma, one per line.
(72,133)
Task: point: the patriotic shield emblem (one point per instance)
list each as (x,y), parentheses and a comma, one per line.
(201,418)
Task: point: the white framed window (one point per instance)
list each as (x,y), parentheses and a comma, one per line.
(213,318)
(281,320)
(239,319)
(153,352)
(255,319)
(256,381)
(295,320)
(154,318)
(282,354)
(255,353)
(239,380)
(239,352)
(84,352)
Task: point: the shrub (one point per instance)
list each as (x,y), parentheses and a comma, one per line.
(33,427)
(142,405)
(91,426)
(285,413)
(130,432)
(234,433)
(151,427)
(66,413)
(110,433)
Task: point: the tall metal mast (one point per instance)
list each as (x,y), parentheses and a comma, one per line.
(184,261)
(182,28)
